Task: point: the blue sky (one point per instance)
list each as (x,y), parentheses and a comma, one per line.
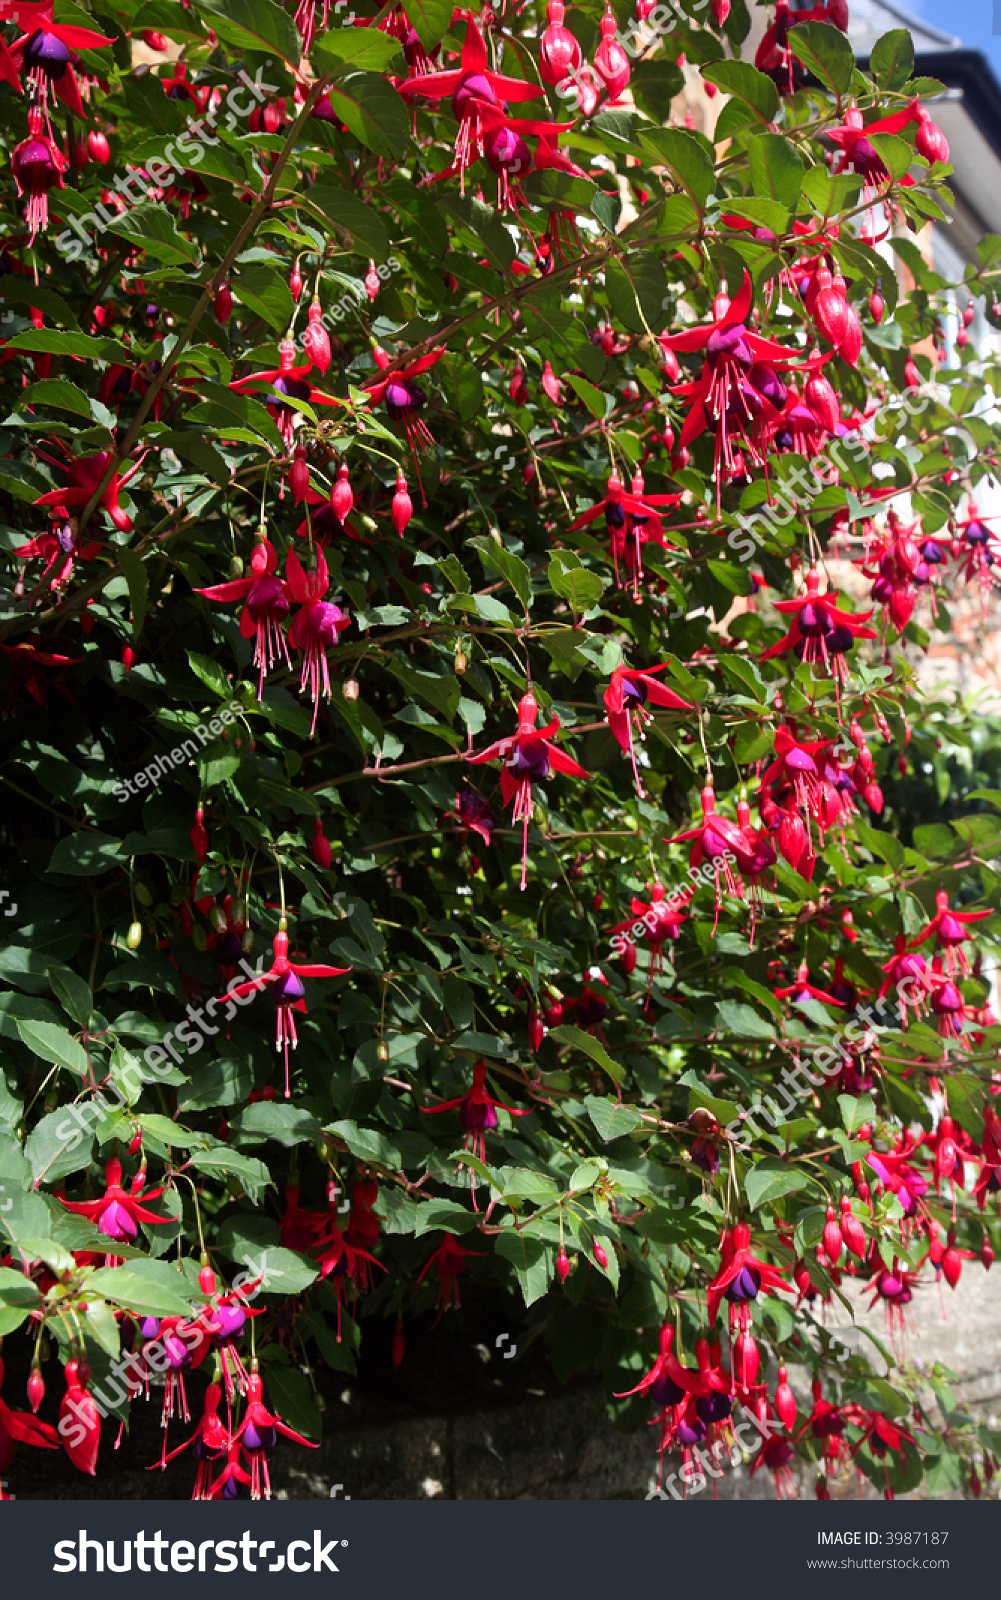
(977,22)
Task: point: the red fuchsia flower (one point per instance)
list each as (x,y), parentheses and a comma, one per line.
(949,929)
(741,1277)
(474,91)
(719,842)
(118,1213)
(322,523)
(316,626)
(265,608)
(227,1485)
(879,1433)
(655,921)
(826,1424)
(477,1110)
(60,550)
(775,54)
(759,857)
(631,690)
(288,384)
(776,1455)
(668,1384)
(796,768)
(631,519)
(226,939)
(363,1224)
(528,756)
(472,814)
(298,1228)
(448,1260)
(803,989)
(208,1443)
(37,165)
(258,1433)
(79,1418)
(24,658)
(82,478)
(898,1175)
(348,1266)
(738,382)
(20,1427)
(289,994)
(947,1003)
(46,55)
(977,549)
(405,399)
(820,630)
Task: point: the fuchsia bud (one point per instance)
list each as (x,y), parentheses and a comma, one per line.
(322,853)
(952,1262)
(223,305)
(551,383)
(79,1419)
(833,1242)
(851,1230)
(562,1264)
(720,10)
(930,141)
(969,312)
(559,52)
(135,1143)
(912,376)
(372,281)
(36,1389)
(518,388)
(785,1401)
(821,402)
(536,1030)
(98,147)
(403,506)
(746,1360)
(877,306)
(610,59)
(81,153)
(986,1255)
(600,1255)
(341,497)
(295,280)
(128,657)
(198,836)
(206,1280)
(299,476)
(316,339)
(628,957)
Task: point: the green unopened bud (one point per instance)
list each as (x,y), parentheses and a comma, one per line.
(134,937)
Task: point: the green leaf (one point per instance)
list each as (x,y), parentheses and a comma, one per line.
(532,1260)
(569,1033)
(374,113)
(251,1174)
(754,98)
(825,51)
(854,1112)
(350,213)
(58,393)
(686,159)
(574,583)
(141,1293)
(769,1180)
(777,168)
(150,227)
(54,1044)
(591,396)
(368,1144)
(268,1119)
(84,853)
(364,49)
(496,558)
(611,1119)
(265,291)
(59,1144)
(430,19)
(742,1021)
(138,582)
(256,25)
(891,59)
(73,993)
(444,1215)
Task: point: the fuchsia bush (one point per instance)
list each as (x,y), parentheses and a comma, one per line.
(427,646)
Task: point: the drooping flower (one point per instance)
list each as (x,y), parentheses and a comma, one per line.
(46,54)
(668,1384)
(477,1110)
(265,607)
(83,474)
(949,927)
(821,630)
(316,626)
(117,1213)
(630,518)
(741,1276)
(405,399)
(258,1435)
(473,89)
(719,842)
(208,1443)
(630,692)
(289,994)
(448,1260)
(24,658)
(287,383)
(528,756)
(37,165)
